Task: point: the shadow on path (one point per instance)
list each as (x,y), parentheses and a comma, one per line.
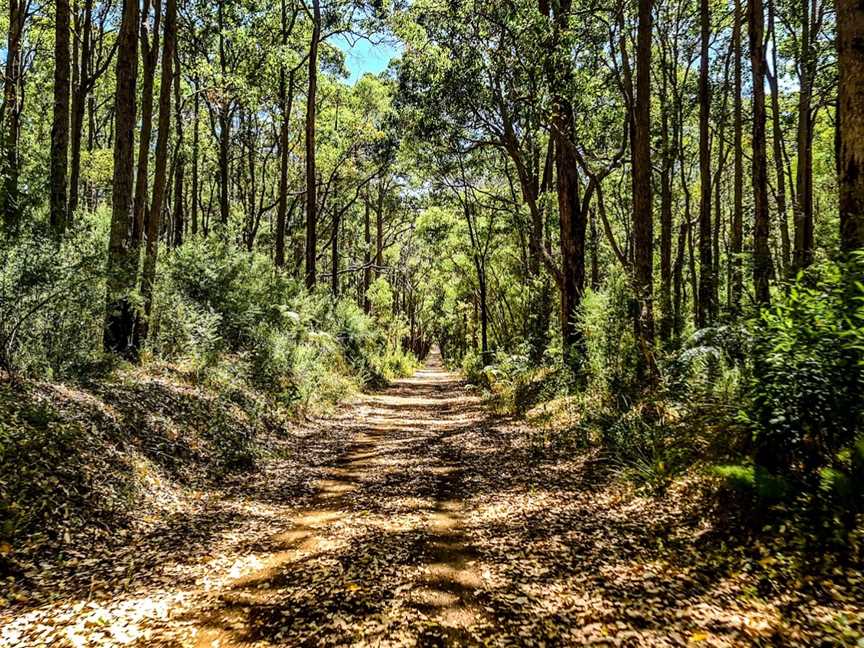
(380,551)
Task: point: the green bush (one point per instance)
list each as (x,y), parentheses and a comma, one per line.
(51,299)
(808,374)
(611,354)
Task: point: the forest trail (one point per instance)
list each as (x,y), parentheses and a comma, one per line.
(415,517)
(382,541)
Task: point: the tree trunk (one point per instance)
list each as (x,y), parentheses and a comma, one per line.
(334,251)
(761,223)
(643,217)
(666,170)
(180,166)
(79,103)
(154,221)
(379,232)
(706,310)
(12,106)
(484,312)
(367,255)
(804,175)
(678,281)
(122,256)
(224,170)
(736,247)
(60,119)
(779,169)
(573,228)
(149,57)
(311,180)
(225,118)
(850,46)
(195,153)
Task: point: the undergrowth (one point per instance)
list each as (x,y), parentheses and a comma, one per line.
(768,409)
(238,351)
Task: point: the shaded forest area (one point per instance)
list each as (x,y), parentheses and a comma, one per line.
(635,227)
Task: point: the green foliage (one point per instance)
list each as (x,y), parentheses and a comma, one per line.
(604,319)
(305,349)
(808,375)
(51,299)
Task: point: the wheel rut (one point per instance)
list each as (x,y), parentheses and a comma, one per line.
(381,550)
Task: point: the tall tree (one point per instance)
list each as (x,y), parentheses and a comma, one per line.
(736,247)
(149,58)
(777,136)
(572,218)
(122,255)
(706,305)
(761,223)
(850,49)
(286,99)
(810,24)
(60,120)
(311,173)
(154,220)
(13,106)
(91,60)
(180,164)
(643,213)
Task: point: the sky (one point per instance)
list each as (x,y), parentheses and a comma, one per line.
(362,56)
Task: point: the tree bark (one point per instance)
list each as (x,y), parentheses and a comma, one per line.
(122,255)
(12,109)
(736,247)
(334,250)
(779,169)
(643,217)
(761,223)
(379,232)
(60,119)
(367,255)
(225,118)
(311,180)
(666,170)
(286,92)
(149,57)
(180,166)
(195,154)
(154,222)
(706,310)
(804,174)
(850,46)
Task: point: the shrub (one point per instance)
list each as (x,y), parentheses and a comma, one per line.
(605,321)
(808,375)
(51,300)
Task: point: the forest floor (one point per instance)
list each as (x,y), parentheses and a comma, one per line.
(417,518)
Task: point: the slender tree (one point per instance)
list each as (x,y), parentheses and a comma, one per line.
(643,216)
(149,37)
(778,144)
(154,221)
(122,255)
(13,106)
(736,247)
(761,223)
(179,210)
(311,174)
(850,48)
(60,121)
(706,306)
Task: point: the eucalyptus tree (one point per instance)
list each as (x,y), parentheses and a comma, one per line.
(122,254)
(850,36)
(60,118)
(761,223)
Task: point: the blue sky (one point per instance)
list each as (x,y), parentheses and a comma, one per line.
(363,56)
